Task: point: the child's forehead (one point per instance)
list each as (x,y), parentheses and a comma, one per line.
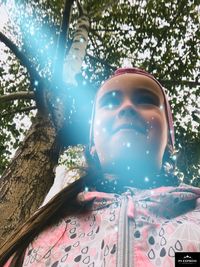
(129,81)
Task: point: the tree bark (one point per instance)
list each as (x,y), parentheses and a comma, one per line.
(29,177)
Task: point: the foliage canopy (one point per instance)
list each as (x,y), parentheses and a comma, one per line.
(159,36)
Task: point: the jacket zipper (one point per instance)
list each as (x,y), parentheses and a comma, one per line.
(123,236)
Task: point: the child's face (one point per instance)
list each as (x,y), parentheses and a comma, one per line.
(130,127)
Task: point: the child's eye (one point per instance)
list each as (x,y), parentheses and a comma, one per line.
(146,100)
(110,101)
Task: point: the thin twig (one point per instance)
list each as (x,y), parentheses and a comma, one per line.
(102,61)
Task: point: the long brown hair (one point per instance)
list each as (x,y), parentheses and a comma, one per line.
(50,214)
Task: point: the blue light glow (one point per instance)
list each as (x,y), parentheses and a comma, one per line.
(32,30)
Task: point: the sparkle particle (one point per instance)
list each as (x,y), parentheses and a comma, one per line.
(161,107)
(110,106)
(98,122)
(147,152)
(146,179)
(128,144)
(174,157)
(36,83)
(113,93)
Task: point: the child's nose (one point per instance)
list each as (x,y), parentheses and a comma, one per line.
(127,108)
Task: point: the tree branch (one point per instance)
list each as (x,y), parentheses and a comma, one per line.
(21,57)
(93,13)
(179,82)
(102,61)
(74,58)
(62,41)
(81,11)
(25,109)
(110,30)
(17,95)
(97,35)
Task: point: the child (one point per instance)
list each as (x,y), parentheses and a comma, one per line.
(127,209)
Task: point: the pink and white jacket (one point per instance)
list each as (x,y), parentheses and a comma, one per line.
(140,228)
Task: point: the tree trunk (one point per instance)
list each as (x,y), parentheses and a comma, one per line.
(29,177)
